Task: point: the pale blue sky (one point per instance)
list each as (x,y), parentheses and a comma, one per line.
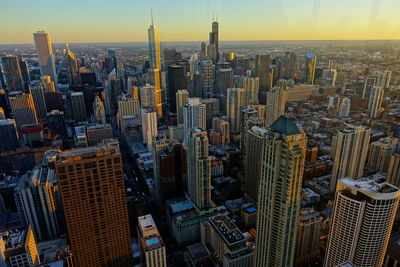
(189,20)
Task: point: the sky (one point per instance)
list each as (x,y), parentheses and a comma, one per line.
(72,21)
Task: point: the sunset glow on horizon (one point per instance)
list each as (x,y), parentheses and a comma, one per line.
(189,20)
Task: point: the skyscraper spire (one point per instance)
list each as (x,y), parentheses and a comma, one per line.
(151,10)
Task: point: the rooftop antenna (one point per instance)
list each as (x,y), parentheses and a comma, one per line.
(151,16)
(216,17)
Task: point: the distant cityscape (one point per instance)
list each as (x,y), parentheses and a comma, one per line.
(209,153)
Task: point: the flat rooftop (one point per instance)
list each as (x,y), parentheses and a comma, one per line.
(15,238)
(371,188)
(106,147)
(227,229)
(146,222)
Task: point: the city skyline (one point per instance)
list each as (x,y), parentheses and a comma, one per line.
(255,20)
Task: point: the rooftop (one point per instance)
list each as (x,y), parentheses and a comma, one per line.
(285,125)
(371,188)
(146,222)
(227,229)
(106,147)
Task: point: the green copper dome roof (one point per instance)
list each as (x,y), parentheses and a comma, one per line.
(285,125)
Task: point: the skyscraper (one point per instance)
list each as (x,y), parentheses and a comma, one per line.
(362,220)
(255,145)
(23,109)
(369,82)
(78,106)
(275,105)
(182,98)
(127,106)
(74,77)
(223,81)
(148,96)
(154,46)
(160,143)
(99,111)
(13,73)
(199,168)
(8,135)
(149,125)
(307,237)
(207,78)
(349,148)
(380,152)
(310,66)
(47,83)
(39,100)
(26,79)
(151,243)
(37,192)
(375,101)
(251,87)
(45,54)
(262,71)
(344,107)
(393,172)
(176,81)
(93,198)
(214,38)
(194,116)
(279,193)
(234,106)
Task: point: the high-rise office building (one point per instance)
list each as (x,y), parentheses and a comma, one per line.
(39,100)
(173,171)
(380,152)
(307,237)
(234,106)
(349,151)
(362,220)
(149,125)
(23,109)
(203,53)
(275,104)
(251,87)
(344,107)
(279,194)
(214,39)
(37,193)
(194,116)
(171,56)
(176,81)
(13,74)
(151,243)
(224,127)
(223,81)
(212,109)
(226,243)
(375,102)
(255,144)
(71,63)
(155,77)
(393,172)
(8,135)
(23,65)
(128,106)
(99,111)
(154,46)
(93,199)
(160,143)
(262,69)
(98,132)
(310,66)
(47,83)
(207,78)
(199,168)
(385,79)
(45,54)
(369,82)
(78,106)
(182,98)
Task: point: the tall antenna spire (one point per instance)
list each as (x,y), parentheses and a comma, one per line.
(151,16)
